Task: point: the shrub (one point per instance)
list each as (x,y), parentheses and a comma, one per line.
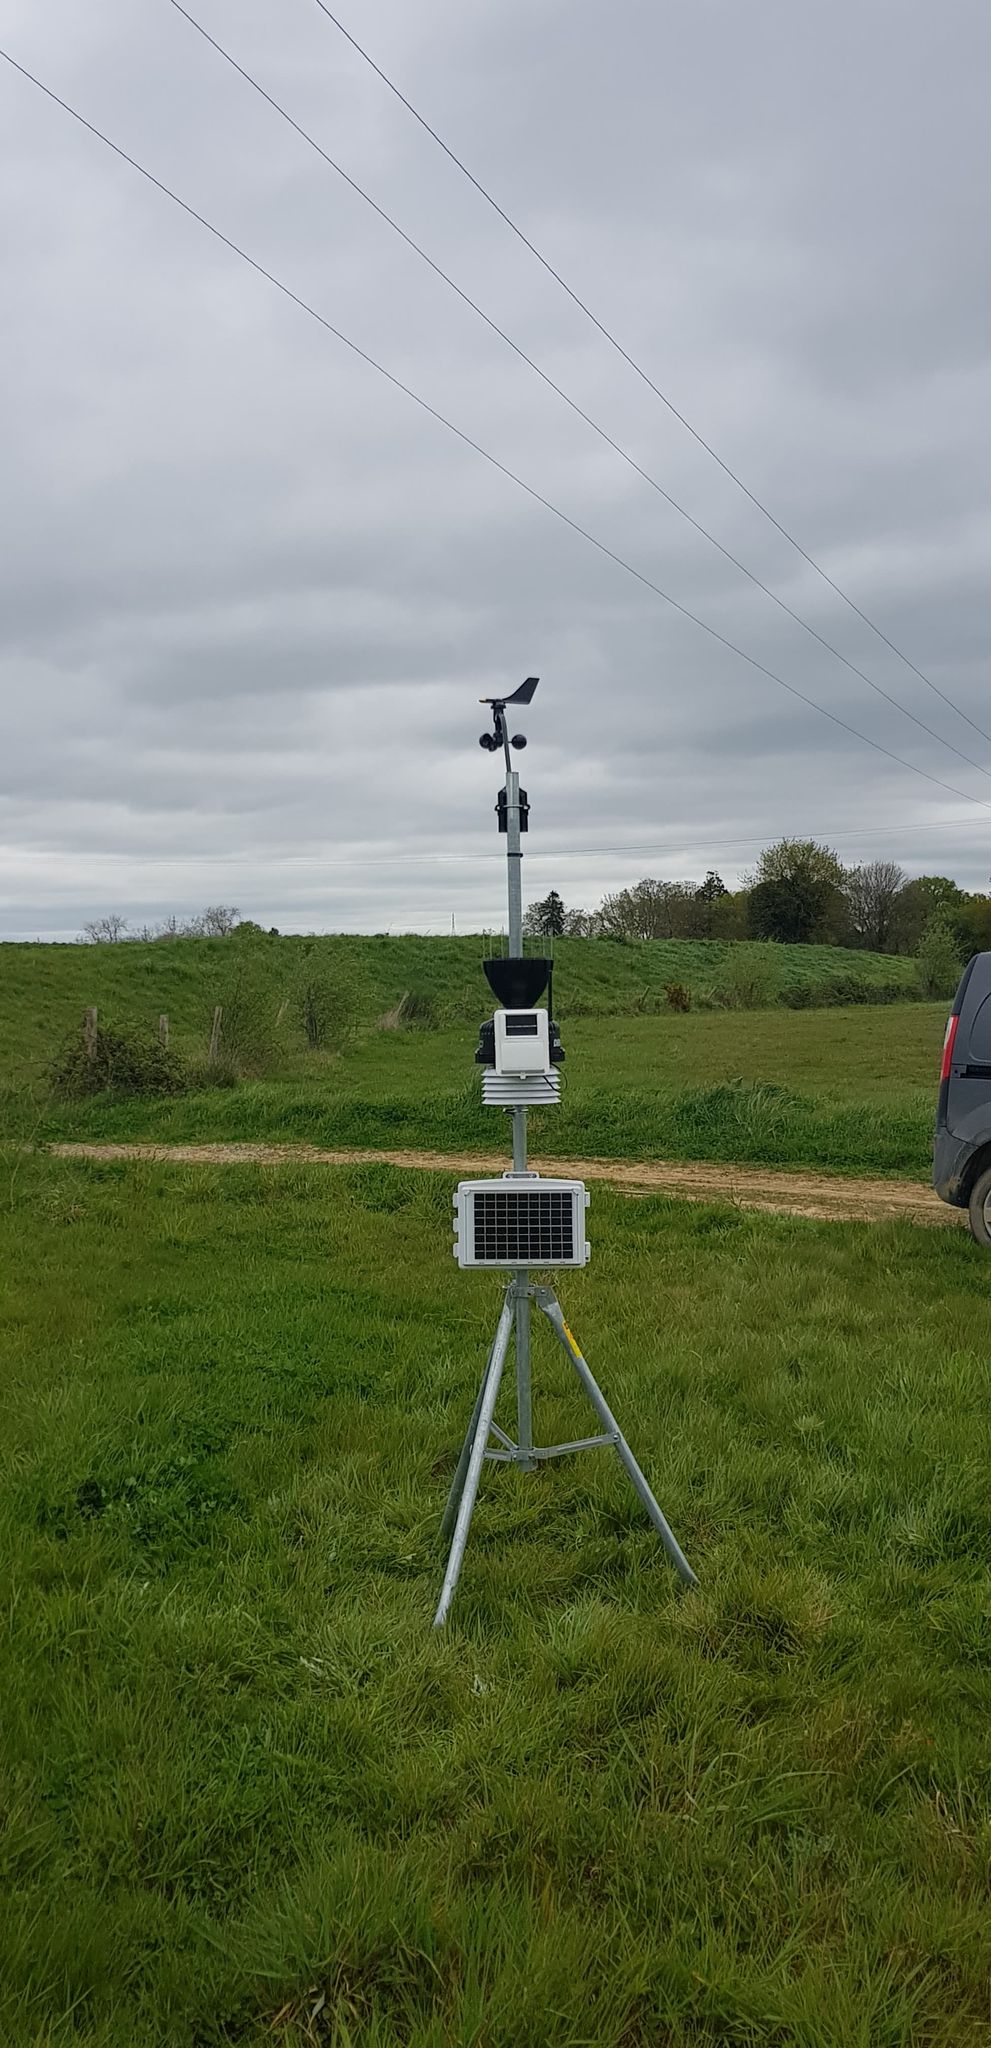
(679,997)
(938,959)
(858,989)
(218,1073)
(849,988)
(325,1005)
(247,1027)
(416,1012)
(751,977)
(126,1062)
(836,989)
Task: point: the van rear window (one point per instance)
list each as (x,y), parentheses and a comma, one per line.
(979,1036)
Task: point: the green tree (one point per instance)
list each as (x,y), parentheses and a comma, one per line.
(796,893)
(650,910)
(938,957)
(974,924)
(941,892)
(924,898)
(709,896)
(729,915)
(547,919)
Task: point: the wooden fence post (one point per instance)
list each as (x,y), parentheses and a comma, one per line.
(218,1017)
(163,1028)
(90,1034)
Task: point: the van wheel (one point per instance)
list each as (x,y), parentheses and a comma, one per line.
(979,1209)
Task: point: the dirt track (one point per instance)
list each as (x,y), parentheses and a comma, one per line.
(821,1195)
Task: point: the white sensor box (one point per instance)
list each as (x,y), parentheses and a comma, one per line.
(522,1042)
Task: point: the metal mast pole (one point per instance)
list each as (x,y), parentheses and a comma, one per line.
(521,1285)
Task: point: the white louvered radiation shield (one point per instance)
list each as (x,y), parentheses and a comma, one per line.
(520,1220)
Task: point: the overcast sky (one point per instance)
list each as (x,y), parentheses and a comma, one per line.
(250,593)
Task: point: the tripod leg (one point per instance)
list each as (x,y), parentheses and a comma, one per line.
(551,1307)
(486,1409)
(524,1403)
(458,1482)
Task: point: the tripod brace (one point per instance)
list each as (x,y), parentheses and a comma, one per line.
(482,1427)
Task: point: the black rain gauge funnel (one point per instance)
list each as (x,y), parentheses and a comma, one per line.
(517,984)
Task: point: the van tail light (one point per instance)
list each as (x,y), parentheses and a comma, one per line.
(950,1043)
(943,1101)
(952,1025)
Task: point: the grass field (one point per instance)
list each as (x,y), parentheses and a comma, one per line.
(844,1089)
(247,1797)
(44,989)
(851,1055)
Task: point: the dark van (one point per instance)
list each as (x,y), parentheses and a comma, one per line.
(962,1160)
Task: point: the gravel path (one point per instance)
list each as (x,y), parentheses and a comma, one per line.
(822,1195)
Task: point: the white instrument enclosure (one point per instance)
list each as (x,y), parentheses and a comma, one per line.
(522,1042)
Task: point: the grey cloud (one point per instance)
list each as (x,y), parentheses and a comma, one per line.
(250,594)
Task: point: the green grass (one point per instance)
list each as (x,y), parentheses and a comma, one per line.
(44,988)
(745,1124)
(849,1090)
(851,1055)
(248,1799)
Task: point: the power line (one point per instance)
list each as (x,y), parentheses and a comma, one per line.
(615,343)
(552,385)
(468,441)
(401,859)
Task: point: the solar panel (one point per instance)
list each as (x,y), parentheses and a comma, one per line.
(533,1223)
(536,1229)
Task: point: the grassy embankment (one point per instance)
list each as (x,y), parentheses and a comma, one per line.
(248,1799)
(847,1089)
(44,989)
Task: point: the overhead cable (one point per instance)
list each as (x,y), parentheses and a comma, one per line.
(638,368)
(575,407)
(468,441)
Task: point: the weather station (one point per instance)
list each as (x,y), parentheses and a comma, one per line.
(522,1221)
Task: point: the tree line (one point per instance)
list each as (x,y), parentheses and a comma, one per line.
(217,921)
(799,893)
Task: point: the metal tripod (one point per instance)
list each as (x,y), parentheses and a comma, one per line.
(515,1318)
(482,1427)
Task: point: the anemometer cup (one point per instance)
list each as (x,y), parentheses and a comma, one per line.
(517,984)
